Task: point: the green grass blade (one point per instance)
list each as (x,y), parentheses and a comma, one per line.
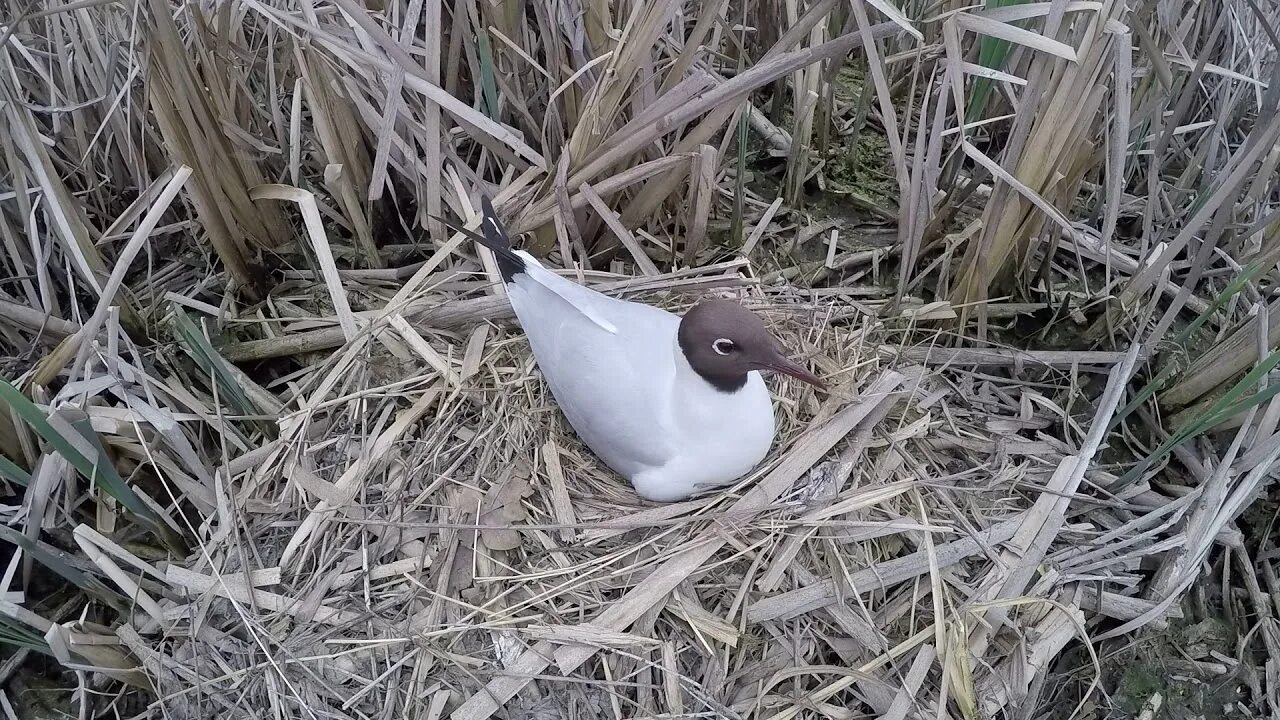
(75,440)
(16,634)
(10,471)
(207,358)
(1244,405)
(1232,403)
(63,565)
(1250,380)
(1146,393)
(1251,272)
(992,53)
(488,86)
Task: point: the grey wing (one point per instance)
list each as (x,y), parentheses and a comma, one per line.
(613,396)
(610,385)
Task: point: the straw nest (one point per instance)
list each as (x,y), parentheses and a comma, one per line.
(426,537)
(272,449)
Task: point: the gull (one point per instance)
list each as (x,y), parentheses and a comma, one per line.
(676,405)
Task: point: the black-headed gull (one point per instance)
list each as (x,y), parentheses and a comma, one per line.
(674,405)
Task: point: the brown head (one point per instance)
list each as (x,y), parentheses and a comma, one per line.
(724,341)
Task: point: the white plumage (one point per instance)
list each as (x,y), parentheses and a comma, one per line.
(675,405)
(620,377)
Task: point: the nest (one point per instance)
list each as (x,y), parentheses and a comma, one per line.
(425,536)
(270,451)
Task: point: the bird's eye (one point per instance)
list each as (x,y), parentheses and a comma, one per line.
(723,346)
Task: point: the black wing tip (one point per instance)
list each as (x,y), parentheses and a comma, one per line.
(486,208)
(493,236)
(509,264)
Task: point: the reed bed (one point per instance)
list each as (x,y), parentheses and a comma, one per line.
(274,448)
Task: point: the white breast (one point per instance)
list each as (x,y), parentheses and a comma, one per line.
(618,375)
(722,436)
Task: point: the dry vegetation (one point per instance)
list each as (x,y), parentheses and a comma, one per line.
(273,449)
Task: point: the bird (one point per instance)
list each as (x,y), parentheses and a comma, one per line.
(675,405)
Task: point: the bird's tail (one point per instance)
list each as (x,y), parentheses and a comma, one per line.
(495,238)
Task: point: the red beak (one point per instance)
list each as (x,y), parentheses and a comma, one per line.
(781,364)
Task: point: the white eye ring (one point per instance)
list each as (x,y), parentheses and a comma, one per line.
(722,346)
